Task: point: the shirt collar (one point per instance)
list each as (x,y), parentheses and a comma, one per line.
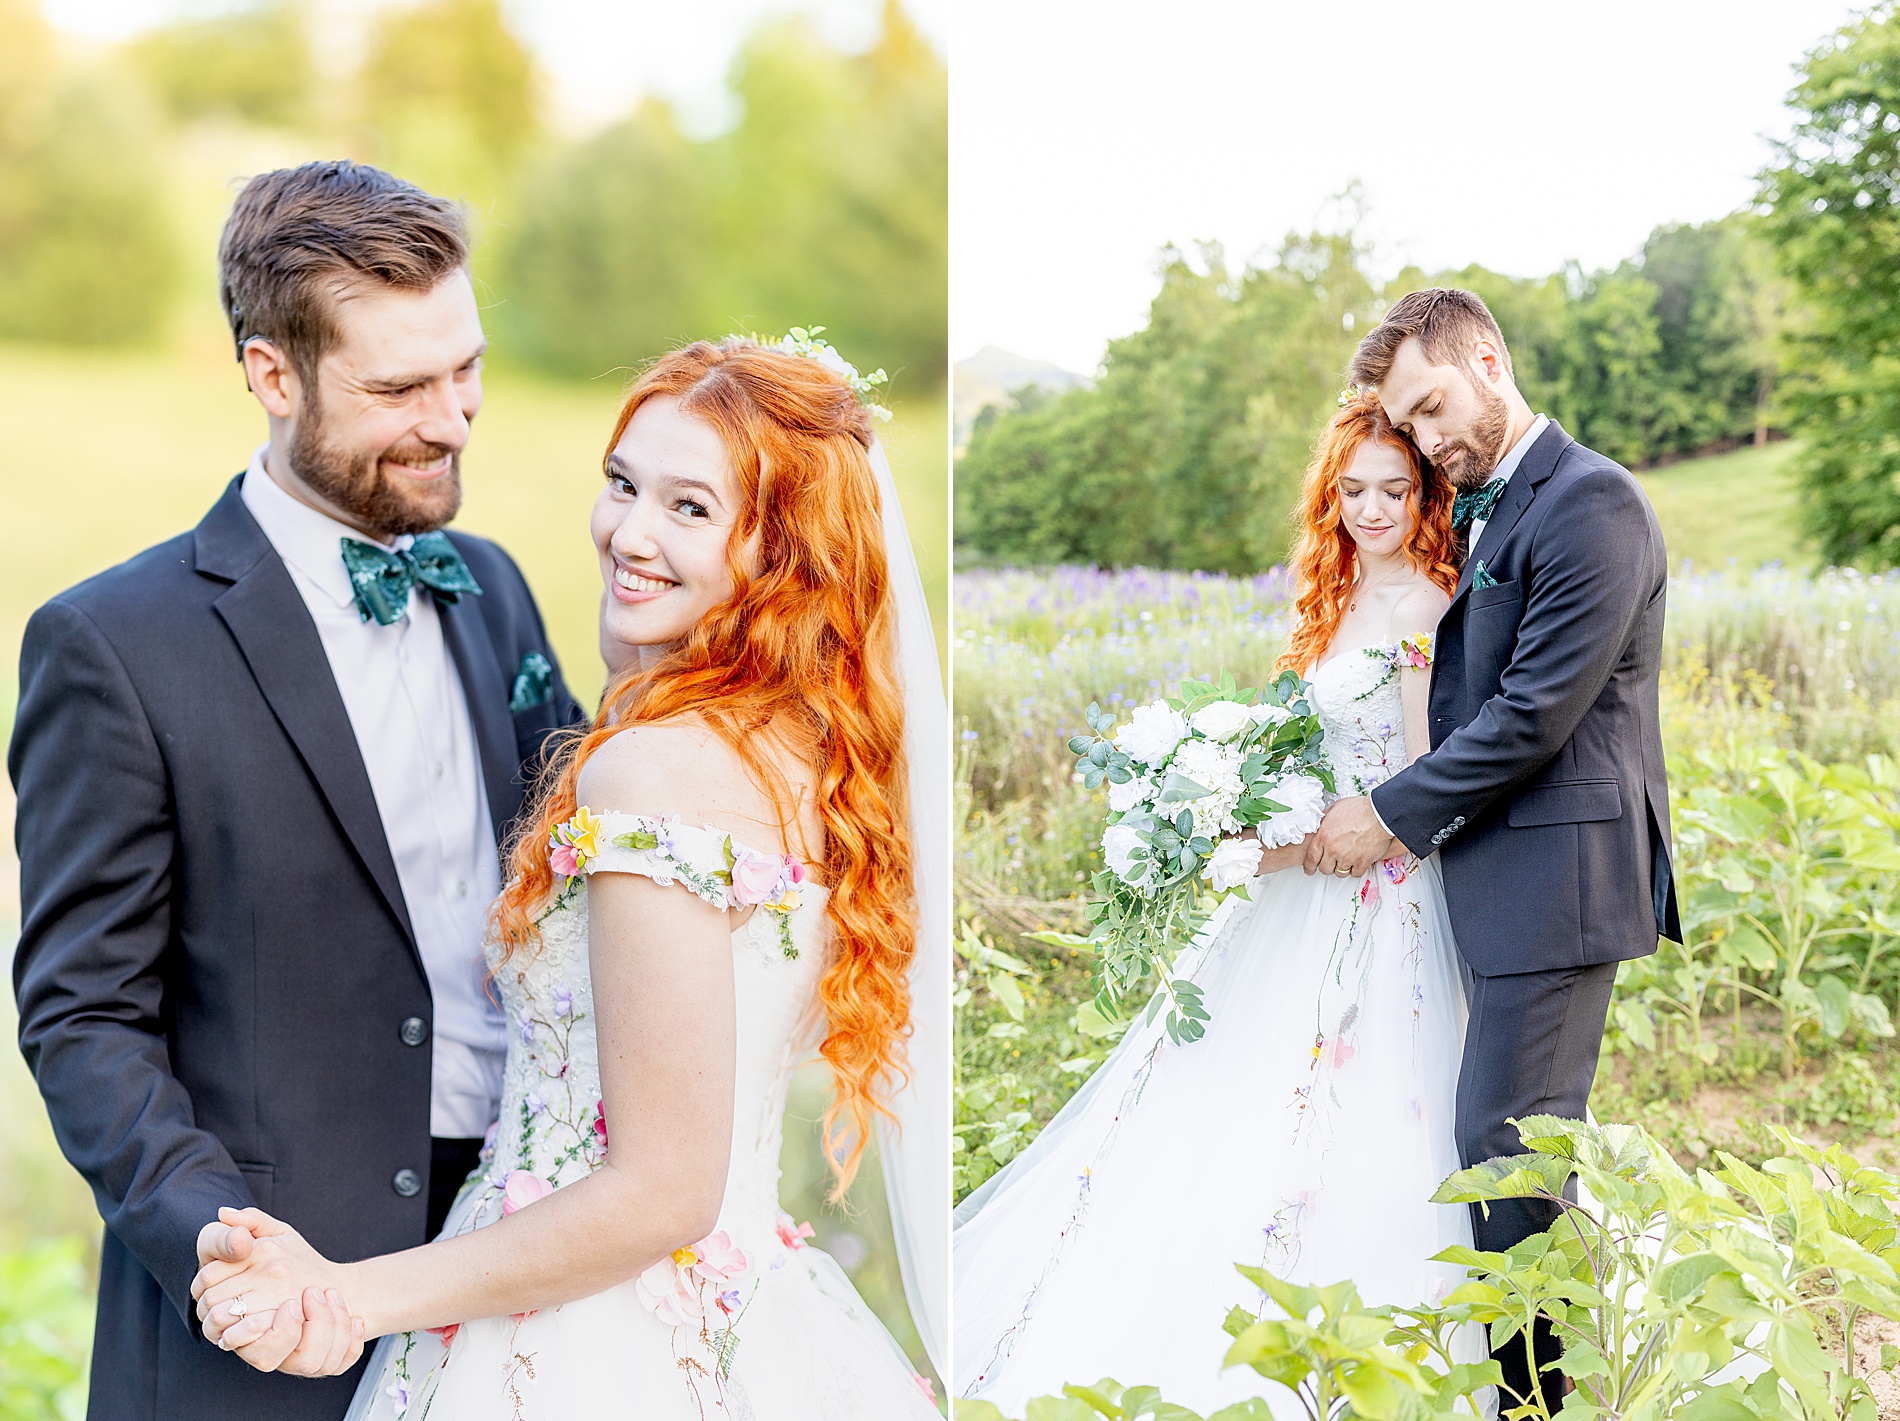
(1515,454)
(310,541)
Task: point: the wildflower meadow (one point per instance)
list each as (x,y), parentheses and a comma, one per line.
(1781,704)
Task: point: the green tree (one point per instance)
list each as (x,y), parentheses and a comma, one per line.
(252,64)
(450,97)
(1718,309)
(1832,208)
(826,204)
(1190,450)
(835,194)
(605,259)
(1615,375)
(87,253)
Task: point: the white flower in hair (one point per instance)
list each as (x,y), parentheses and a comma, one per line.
(805,343)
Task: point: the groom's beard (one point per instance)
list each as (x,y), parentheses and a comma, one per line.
(1469,460)
(355,483)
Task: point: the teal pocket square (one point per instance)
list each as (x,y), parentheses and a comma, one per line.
(534,683)
(1481,576)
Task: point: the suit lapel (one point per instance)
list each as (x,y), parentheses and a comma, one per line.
(483,683)
(1537,465)
(267,617)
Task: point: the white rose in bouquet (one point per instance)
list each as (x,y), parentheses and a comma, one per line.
(1234,862)
(1124,797)
(1119,842)
(1223,720)
(1269,714)
(1216,769)
(1152,733)
(1305,801)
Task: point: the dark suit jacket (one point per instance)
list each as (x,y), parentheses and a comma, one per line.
(1544,792)
(215,958)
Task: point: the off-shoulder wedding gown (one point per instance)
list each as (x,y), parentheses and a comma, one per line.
(1305,1133)
(749,1323)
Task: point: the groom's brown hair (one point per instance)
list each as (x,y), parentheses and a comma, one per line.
(299,237)
(1446,321)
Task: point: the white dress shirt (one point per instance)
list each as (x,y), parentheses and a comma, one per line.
(406,705)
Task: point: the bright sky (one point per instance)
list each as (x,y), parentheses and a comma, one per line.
(601,54)
(1087,134)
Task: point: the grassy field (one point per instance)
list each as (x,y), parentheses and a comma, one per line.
(1734,509)
(1762,659)
(106,454)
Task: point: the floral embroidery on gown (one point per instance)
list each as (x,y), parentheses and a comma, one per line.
(750,1322)
(1305,1133)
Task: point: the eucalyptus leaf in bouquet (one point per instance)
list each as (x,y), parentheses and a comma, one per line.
(1185,776)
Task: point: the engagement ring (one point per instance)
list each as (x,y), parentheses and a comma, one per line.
(238,1308)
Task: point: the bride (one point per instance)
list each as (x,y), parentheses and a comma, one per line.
(727,869)
(1306,1131)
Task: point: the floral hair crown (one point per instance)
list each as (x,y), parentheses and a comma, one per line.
(805,343)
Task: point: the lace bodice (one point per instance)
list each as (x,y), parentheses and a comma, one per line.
(1355,694)
(551,1129)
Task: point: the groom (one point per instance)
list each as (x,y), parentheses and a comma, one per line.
(1543,793)
(262,771)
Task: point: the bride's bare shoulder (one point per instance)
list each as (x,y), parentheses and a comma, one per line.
(673,767)
(1418,608)
(683,768)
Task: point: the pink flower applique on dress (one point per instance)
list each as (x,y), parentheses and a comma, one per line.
(793,1235)
(1334,1051)
(1416,651)
(573,845)
(675,1288)
(521,1189)
(758,880)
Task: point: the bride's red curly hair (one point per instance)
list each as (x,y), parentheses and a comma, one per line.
(1325,559)
(803,651)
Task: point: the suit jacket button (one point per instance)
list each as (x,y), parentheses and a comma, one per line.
(407,1183)
(414,1031)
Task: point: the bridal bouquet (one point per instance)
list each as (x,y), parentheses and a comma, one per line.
(1185,775)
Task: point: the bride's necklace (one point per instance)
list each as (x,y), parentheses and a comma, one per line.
(1364,587)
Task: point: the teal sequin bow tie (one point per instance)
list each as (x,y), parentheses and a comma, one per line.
(382,579)
(1476,503)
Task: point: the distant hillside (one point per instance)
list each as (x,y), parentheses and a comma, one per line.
(992,375)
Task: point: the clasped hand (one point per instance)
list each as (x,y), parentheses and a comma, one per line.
(266,1294)
(1350,840)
